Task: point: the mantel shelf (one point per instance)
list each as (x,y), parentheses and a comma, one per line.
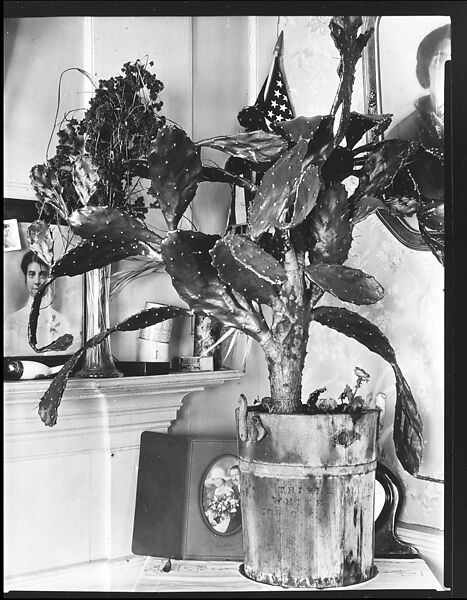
(20,391)
(97,414)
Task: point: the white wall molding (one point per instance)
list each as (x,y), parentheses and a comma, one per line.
(70,489)
(253,62)
(428,541)
(19,190)
(117,575)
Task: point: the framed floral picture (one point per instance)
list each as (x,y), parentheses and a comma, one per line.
(187,498)
(62,308)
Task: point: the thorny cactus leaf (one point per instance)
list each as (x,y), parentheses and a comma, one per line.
(223,176)
(330,228)
(359,124)
(248,254)
(85,177)
(94,254)
(407,433)
(274,194)
(347,284)
(381,167)
(337,166)
(239,166)
(366,207)
(407,425)
(248,268)
(50,401)
(188,262)
(300,127)
(402,197)
(175,168)
(58,345)
(344,32)
(106,222)
(321,143)
(40,240)
(255,146)
(350,45)
(48,189)
(140,167)
(306,189)
(400,206)
(273,244)
(431,215)
(149,317)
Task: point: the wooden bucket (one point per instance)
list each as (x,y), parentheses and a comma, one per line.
(307,497)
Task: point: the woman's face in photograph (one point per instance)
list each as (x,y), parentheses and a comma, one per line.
(36,274)
(436,72)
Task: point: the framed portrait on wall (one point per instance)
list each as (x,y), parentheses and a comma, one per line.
(62,308)
(411,72)
(410,80)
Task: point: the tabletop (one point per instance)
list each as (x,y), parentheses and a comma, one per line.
(160,575)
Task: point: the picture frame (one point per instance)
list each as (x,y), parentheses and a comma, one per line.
(64,312)
(11,240)
(171,508)
(389,68)
(172,498)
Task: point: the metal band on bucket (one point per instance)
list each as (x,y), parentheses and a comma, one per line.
(294,471)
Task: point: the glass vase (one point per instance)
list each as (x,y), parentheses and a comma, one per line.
(98,361)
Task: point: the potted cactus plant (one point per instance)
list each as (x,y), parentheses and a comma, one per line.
(307,468)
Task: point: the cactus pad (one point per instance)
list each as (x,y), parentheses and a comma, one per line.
(221,175)
(330,228)
(381,167)
(188,262)
(275,192)
(300,127)
(349,285)
(175,168)
(85,177)
(58,345)
(50,401)
(359,124)
(306,188)
(106,222)
(254,146)
(93,254)
(407,424)
(248,268)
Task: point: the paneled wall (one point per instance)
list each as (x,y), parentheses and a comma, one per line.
(79,505)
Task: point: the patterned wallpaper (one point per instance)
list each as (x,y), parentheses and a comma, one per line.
(411,314)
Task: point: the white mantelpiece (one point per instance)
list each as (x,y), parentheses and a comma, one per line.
(98,414)
(70,489)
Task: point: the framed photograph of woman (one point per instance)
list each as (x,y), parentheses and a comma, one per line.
(62,307)
(405,76)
